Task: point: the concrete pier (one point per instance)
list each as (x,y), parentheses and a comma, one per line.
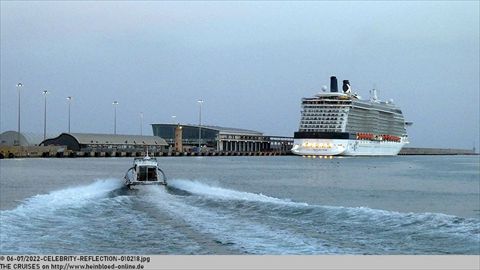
(59,151)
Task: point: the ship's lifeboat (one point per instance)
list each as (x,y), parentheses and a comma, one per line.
(365,136)
(391,138)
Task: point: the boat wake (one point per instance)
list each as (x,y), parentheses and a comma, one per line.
(247,235)
(198,188)
(349,229)
(105,218)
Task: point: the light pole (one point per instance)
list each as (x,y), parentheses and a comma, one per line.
(69,103)
(200,102)
(173,119)
(115,103)
(45,92)
(141,123)
(19,86)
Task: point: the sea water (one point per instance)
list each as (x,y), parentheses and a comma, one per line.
(243,205)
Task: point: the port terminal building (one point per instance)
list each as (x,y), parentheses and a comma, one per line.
(168,140)
(185,137)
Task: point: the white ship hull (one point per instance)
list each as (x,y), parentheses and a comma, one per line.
(346,147)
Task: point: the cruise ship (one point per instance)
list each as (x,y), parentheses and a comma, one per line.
(342,123)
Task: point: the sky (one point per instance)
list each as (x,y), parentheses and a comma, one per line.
(251,63)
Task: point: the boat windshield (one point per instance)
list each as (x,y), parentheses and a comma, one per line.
(146,173)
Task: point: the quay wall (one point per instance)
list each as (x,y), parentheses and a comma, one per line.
(60,151)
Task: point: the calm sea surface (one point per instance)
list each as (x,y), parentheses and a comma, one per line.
(243,205)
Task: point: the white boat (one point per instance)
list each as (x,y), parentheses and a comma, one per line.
(342,123)
(145,171)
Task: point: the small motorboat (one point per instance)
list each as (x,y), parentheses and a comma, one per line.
(145,171)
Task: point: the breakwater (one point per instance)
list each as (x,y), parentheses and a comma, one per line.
(435,151)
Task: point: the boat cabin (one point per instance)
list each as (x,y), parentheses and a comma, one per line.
(146,169)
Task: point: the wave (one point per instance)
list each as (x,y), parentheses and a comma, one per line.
(352,223)
(214,192)
(61,216)
(73,196)
(238,221)
(198,188)
(247,235)
(422,222)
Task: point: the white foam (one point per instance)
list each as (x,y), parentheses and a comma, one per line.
(227,227)
(357,214)
(73,196)
(203,189)
(433,222)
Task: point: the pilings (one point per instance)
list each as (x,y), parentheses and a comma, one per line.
(227,153)
(58,151)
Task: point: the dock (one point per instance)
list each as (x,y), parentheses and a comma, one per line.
(63,152)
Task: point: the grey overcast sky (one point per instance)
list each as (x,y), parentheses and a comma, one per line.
(251,62)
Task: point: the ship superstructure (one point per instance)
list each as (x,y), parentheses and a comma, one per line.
(342,123)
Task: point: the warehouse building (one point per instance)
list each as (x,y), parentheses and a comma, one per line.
(11,138)
(87,142)
(24,144)
(213,138)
